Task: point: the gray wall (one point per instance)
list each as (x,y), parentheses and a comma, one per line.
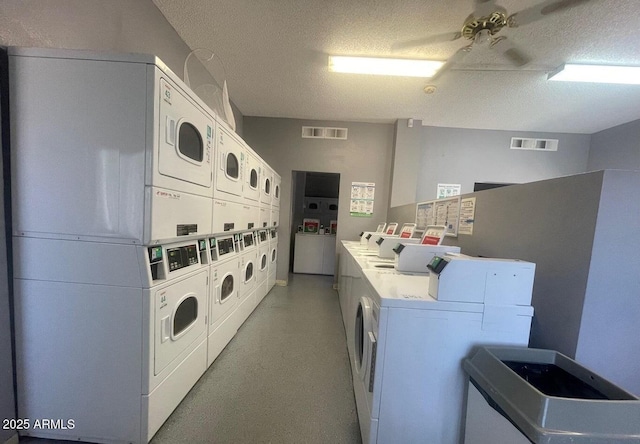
(114,25)
(617,147)
(609,331)
(407,155)
(582,233)
(402,214)
(364,157)
(465,156)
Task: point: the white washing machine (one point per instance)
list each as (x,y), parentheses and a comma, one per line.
(124,333)
(277,182)
(230,165)
(267,185)
(253,177)
(263,265)
(129,148)
(407,373)
(230,211)
(248,273)
(273,257)
(223,293)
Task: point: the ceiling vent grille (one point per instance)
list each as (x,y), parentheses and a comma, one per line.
(318,132)
(523,143)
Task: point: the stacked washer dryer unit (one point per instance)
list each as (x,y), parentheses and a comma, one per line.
(111,163)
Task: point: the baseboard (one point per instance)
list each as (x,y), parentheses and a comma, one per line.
(281,283)
(13,440)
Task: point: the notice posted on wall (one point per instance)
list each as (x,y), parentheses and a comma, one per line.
(442,212)
(467,216)
(446,190)
(362,198)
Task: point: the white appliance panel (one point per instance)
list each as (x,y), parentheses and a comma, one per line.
(97,325)
(172,215)
(264,217)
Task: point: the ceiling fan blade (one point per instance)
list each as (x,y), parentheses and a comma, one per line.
(438,38)
(541,10)
(456,58)
(510,51)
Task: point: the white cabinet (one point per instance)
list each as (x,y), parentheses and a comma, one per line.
(314,254)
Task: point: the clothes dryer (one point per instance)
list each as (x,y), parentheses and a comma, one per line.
(253,177)
(248,272)
(263,265)
(267,186)
(125,334)
(408,381)
(223,294)
(129,148)
(273,257)
(277,182)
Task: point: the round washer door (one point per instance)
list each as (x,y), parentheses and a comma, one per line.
(248,272)
(362,329)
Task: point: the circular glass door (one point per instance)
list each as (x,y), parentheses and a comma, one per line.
(227,287)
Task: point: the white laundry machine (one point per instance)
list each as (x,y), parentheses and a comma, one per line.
(277,182)
(129,148)
(230,211)
(253,177)
(267,185)
(223,293)
(248,272)
(407,373)
(110,335)
(262,237)
(273,257)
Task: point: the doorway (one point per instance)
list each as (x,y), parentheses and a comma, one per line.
(314,202)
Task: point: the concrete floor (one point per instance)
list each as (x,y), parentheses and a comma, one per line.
(284,378)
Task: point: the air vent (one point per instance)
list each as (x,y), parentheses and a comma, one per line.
(318,132)
(312,132)
(335,133)
(522,143)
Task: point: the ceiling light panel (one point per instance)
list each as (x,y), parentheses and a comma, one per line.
(384,67)
(597,74)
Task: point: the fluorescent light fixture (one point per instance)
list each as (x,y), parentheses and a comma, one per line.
(597,74)
(384,67)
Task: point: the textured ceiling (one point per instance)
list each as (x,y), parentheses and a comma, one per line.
(275,56)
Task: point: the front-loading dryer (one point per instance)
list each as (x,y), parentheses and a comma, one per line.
(273,257)
(253,177)
(230,165)
(263,265)
(137,156)
(223,295)
(275,198)
(248,264)
(267,185)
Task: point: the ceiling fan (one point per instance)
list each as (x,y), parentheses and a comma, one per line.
(483,25)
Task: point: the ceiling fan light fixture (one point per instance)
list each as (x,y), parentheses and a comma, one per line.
(384,66)
(569,72)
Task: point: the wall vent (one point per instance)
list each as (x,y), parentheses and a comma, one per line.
(312,132)
(318,132)
(335,133)
(523,143)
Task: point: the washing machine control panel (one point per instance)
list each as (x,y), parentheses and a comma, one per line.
(181,257)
